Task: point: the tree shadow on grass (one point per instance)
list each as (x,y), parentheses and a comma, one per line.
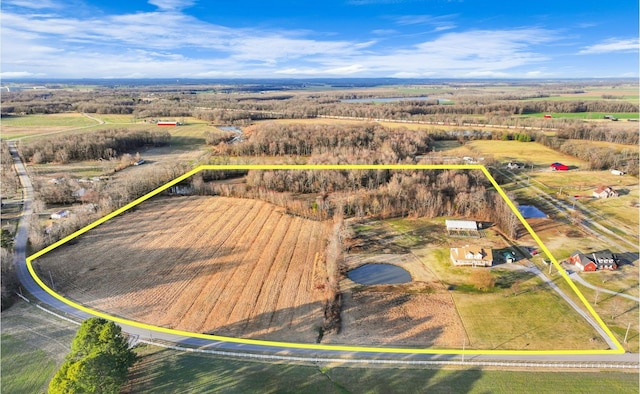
(172,371)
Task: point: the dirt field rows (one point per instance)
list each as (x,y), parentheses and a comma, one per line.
(202,264)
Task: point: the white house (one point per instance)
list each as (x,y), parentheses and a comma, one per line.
(472,255)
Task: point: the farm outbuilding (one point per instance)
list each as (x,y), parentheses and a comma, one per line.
(462,227)
(60,214)
(472,255)
(162,123)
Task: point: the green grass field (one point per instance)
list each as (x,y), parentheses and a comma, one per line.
(64,119)
(167,371)
(34,344)
(25,368)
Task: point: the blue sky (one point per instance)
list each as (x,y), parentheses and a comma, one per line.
(314,39)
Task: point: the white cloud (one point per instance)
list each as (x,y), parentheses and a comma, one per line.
(612,45)
(17,74)
(170,43)
(346,70)
(172,4)
(384,32)
(36,5)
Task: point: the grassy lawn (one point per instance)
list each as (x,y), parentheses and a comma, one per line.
(25,368)
(34,345)
(524,321)
(616,312)
(585,181)
(167,371)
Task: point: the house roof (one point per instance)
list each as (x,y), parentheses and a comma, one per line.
(602,188)
(602,255)
(472,253)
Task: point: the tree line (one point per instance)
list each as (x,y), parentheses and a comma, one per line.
(104,144)
(322,194)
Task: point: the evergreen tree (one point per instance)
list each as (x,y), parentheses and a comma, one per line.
(98,362)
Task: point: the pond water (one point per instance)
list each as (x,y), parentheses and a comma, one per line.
(379,274)
(231,128)
(531,212)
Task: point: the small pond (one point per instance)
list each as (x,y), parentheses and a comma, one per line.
(231,128)
(531,212)
(379,274)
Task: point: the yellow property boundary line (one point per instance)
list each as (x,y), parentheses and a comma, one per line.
(287,345)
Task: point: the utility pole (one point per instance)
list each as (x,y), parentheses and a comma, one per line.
(550,263)
(464,342)
(625,334)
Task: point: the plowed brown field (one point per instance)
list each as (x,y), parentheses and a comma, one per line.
(219,265)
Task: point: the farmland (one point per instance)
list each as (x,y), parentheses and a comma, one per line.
(245,268)
(217,265)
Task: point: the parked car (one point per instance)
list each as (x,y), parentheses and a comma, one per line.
(559,167)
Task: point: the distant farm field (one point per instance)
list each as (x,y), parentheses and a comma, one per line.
(585,115)
(218,265)
(27,125)
(538,154)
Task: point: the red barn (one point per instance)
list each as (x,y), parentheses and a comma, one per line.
(160,123)
(547,116)
(559,167)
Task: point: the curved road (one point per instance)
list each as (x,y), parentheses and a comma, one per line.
(37,292)
(575,277)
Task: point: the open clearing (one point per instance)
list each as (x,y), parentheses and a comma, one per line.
(169,371)
(218,265)
(538,154)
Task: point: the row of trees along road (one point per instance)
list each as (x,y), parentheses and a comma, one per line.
(98,362)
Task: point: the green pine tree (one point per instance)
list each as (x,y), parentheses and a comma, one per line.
(98,362)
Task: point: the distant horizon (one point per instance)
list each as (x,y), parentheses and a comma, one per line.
(320,79)
(251,39)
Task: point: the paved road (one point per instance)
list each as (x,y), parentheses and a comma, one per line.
(29,284)
(574,276)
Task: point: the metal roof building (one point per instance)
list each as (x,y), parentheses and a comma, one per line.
(461,225)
